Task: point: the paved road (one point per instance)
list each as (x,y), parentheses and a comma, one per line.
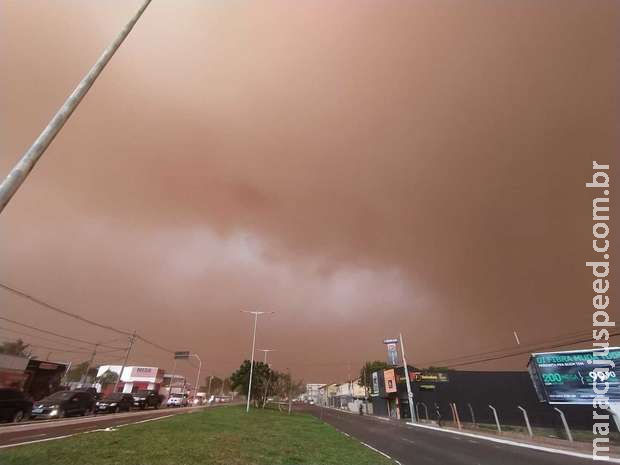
(13,434)
(416,446)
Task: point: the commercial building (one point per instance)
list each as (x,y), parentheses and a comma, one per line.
(133,378)
(312,393)
(37,378)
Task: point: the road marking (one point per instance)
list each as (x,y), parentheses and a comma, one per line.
(151,419)
(37,440)
(82,432)
(513,443)
(376,450)
(408,440)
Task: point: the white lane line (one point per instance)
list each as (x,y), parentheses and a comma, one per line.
(408,440)
(397,462)
(513,443)
(150,419)
(36,440)
(82,432)
(376,450)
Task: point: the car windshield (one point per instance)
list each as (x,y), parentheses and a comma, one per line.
(114,397)
(58,396)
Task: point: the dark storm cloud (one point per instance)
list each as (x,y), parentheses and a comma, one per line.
(360,168)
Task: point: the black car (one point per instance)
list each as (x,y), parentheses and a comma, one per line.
(147,398)
(63,404)
(115,402)
(14,406)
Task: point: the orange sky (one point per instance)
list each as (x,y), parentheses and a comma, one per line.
(361,168)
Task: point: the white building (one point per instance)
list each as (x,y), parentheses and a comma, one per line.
(312,392)
(135,378)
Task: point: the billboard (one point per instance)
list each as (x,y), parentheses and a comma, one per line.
(569,377)
(392,351)
(375,383)
(390,380)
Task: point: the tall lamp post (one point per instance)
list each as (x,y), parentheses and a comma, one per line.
(197,376)
(266,351)
(247,407)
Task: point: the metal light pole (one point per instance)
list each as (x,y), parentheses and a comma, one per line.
(266,351)
(409,393)
(29,159)
(247,407)
(198,375)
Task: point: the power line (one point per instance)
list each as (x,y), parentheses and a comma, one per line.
(64,312)
(53,333)
(526,351)
(56,349)
(507,349)
(22,334)
(80,318)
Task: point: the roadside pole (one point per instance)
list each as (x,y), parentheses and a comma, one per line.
(197,376)
(247,407)
(409,393)
(84,377)
(131,341)
(20,171)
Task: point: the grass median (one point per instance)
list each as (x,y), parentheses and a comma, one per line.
(224,435)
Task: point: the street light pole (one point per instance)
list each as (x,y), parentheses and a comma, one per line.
(266,351)
(29,159)
(197,376)
(409,393)
(247,407)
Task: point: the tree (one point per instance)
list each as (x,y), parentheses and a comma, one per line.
(107,377)
(366,372)
(78,371)
(19,348)
(263,380)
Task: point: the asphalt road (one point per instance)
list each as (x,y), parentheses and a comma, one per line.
(13,434)
(416,446)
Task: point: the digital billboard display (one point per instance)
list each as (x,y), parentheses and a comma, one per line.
(568,377)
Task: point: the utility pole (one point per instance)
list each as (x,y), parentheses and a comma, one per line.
(90,362)
(209,388)
(29,159)
(131,341)
(247,407)
(409,393)
(197,377)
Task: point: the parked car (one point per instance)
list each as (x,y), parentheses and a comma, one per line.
(115,402)
(14,405)
(91,390)
(147,398)
(63,404)
(177,400)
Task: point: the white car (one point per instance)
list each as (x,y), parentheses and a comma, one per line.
(177,401)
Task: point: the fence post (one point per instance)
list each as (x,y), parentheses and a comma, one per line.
(425,410)
(566,428)
(527,420)
(452,411)
(499,428)
(456,413)
(473,417)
